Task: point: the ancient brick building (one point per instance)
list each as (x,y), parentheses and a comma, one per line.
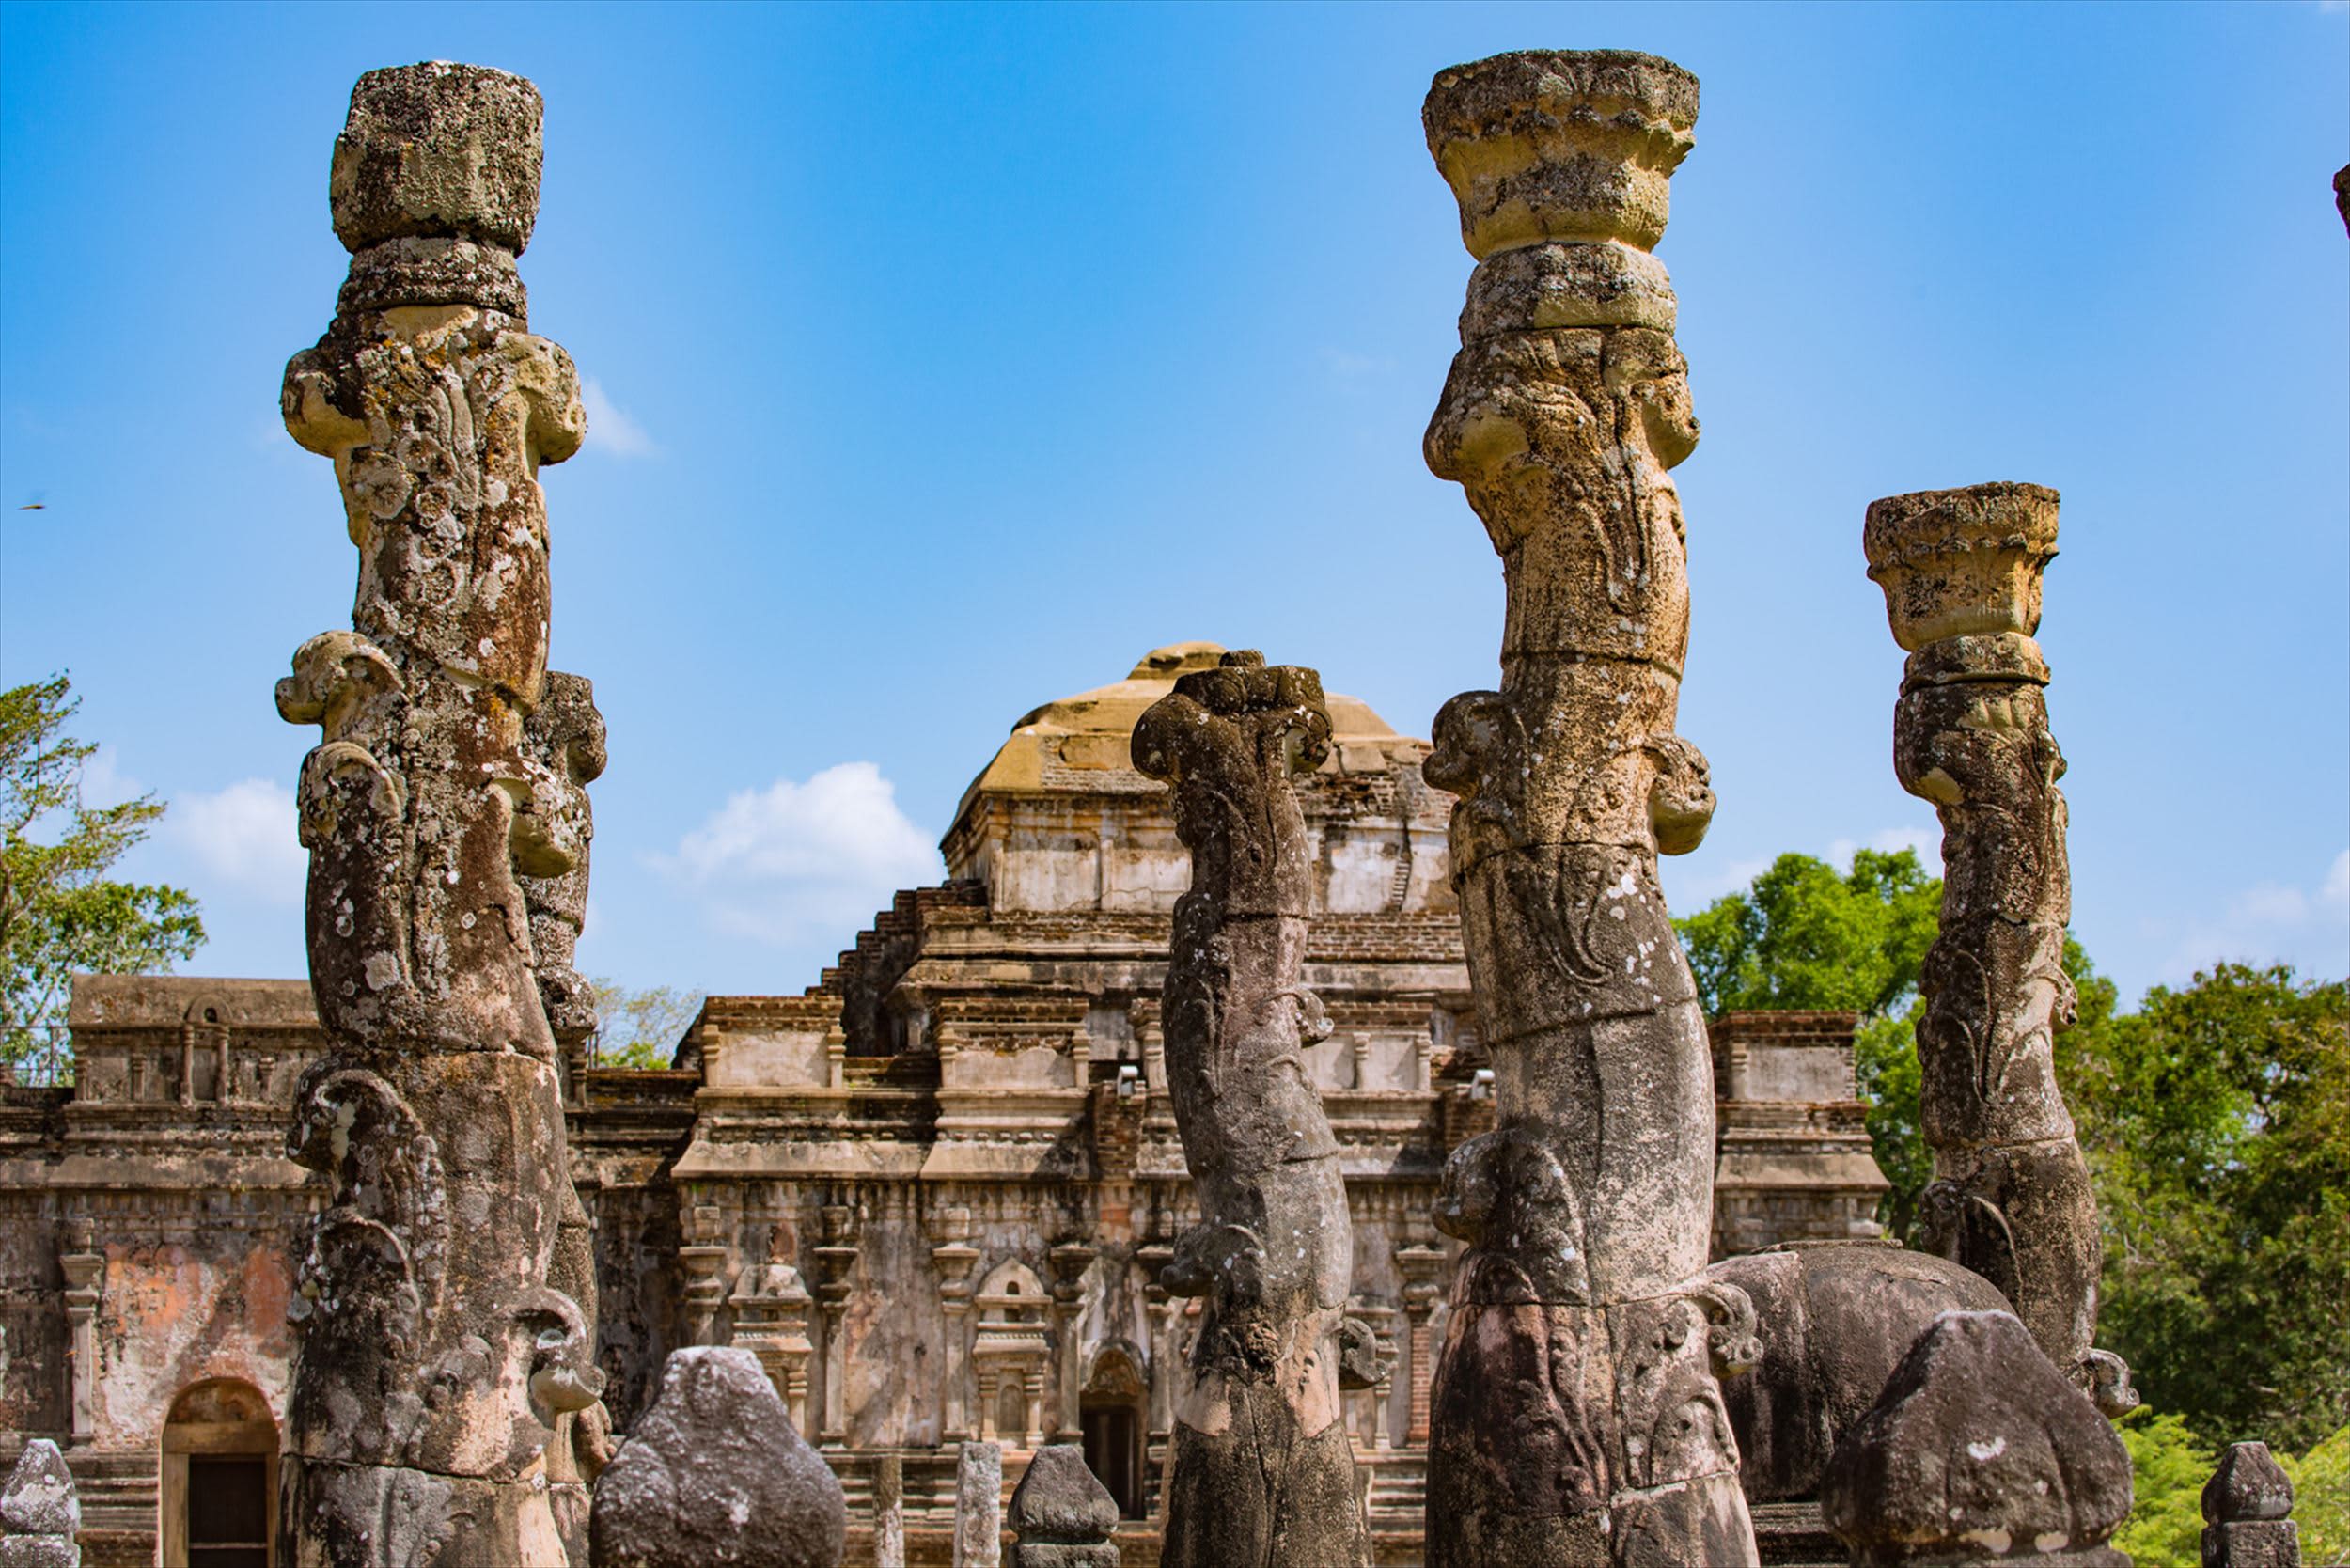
(931,1193)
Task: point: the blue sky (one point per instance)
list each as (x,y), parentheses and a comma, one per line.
(942,361)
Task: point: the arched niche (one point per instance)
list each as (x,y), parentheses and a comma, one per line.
(218,1498)
(1113,1415)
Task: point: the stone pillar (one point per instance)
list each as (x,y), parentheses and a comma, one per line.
(836,1260)
(1575,1418)
(1061,1514)
(1978,1453)
(84,1270)
(954,1258)
(889,1511)
(1264,1470)
(1421,1264)
(979,1506)
(1160,1306)
(2248,1511)
(40,1512)
(1070,1258)
(2011,1200)
(436,1351)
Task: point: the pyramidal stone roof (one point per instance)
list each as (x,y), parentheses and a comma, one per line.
(1079,743)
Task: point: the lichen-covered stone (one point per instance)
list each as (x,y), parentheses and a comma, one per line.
(979,1506)
(1061,1514)
(444,1348)
(2011,1200)
(40,1510)
(438,151)
(1835,1320)
(1262,1471)
(2248,1506)
(1576,1416)
(1979,1450)
(716,1476)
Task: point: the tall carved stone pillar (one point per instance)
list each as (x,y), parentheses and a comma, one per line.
(1575,1418)
(437,1346)
(84,1269)
(2011,1200)
(1421,1264)
(954,1258)
(1264,1472)
(704,1260)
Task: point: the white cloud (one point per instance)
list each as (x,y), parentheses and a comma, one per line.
(1926,841)
(1346,366)
(2272,922)
(610,429)
(776,862)
(243,837)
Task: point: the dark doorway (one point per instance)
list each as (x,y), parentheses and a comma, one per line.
(227,1510)
(1113,1440)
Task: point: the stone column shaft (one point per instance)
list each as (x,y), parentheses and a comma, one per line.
(2011,1200)
(439,1346)
(1575,1415)
(1264,1473)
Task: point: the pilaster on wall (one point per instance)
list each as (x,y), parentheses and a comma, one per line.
(84,1270)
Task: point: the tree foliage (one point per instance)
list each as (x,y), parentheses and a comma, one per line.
(2214,1119)
(639,1028)
(1804,936)
(2216,1123)
(59,912)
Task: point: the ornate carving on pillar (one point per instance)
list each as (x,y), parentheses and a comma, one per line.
(438,1348)
(836,1264)
(771,1307)
(1161,1307)
(1576,1416)
(1070,1258)
(1264,1471)
(84,1269)
(2011,1200)
(954,1258)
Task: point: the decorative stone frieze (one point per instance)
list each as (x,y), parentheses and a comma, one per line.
(2010,1198)
(1264,1470)
(438,1350)
(1575,1417)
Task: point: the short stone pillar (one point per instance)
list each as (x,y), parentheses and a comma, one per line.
(2247,1505)
(715,1474)
(1061,1513)
(889,1511)
(40,1512)
(979,1506)
(1979,1453)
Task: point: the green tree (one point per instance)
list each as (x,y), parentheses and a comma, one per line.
(59,912)
(1803,935)
(2216,1124)
(2167,1468)
(2321,1503)
(639,1028)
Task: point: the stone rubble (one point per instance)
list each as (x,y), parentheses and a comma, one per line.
(716,1476)
(1061,1514)
(1263,1469)
(1576,1416)
(2248,1511)
(40,1512)
(1980,1452)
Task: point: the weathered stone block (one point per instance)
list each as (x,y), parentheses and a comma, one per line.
(2253,1543)
(979,1506)
(1978,1451)
(438,151)
(714,1475)
(40,1497)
